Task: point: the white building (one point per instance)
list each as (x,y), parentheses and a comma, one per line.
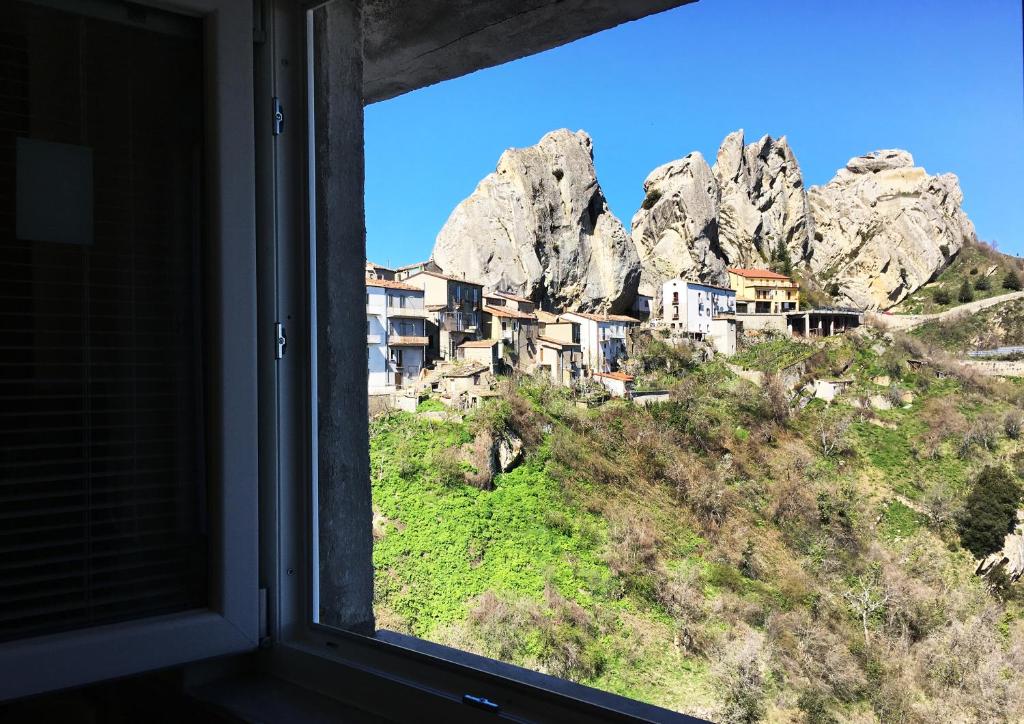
(690,307)
(602,338)
(643,306)
(396,341)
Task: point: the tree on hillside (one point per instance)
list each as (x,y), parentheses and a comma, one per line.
(982,284)
(781,261)
(966,293)
(990,511)
(1012,281)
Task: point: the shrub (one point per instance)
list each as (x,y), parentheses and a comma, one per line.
(966,293)
(741,675)
(1012,425)
(982,432)
(1012,281)
(651,199)
(941,296)
(775,397)
(990,511)
(983,284)
(446,467)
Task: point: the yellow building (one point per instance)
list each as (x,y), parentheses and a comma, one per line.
(759,291)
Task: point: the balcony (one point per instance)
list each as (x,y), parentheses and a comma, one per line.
(374,338)
(410,341)
(458,322)
(411,311)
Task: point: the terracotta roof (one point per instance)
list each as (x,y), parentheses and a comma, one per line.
(466,372)
(511,313)
(757,273)
(399,341)
(546,317)
(478,343)
(558,342)
(605,317)
(388,284)
(620,376)
(513,297)
(410,266)
(449,278)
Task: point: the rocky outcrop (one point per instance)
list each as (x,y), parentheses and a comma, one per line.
(883,228)
(875,233)
(1011,557)
(540,226)
(675,231)
(761,200)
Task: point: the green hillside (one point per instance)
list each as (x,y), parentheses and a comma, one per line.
(978,270)
(1001,325)
(726,553)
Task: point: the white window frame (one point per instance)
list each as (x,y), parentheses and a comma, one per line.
(231,622)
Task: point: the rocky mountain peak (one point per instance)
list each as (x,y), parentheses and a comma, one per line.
(540,226)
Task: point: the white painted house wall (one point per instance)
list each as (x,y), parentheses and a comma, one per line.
(376,340)
(698,305)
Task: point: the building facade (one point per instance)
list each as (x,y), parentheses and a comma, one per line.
(602,338)
(558,344)
(510,320)
(760,291)
(690,307)
(396,339)
(455,307)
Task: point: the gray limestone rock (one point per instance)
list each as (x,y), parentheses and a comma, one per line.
(540,226)
(884,227)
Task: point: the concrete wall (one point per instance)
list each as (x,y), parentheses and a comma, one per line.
(763,322)
(345,541)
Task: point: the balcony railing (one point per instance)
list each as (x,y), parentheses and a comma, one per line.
(374,338)
(408,309)
(459,322)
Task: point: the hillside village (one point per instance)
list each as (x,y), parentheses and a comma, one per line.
(729,463)
(429,331)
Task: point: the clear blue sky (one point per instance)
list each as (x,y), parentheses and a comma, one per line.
(940,78)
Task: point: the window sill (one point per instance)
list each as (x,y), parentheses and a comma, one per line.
(402,678)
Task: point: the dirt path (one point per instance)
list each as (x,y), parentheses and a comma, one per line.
(894,322)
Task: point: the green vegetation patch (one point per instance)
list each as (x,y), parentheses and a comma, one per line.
(773,355)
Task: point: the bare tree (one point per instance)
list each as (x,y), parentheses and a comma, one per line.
(830,430)
(866,597)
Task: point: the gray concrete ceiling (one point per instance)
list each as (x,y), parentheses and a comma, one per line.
(409,44)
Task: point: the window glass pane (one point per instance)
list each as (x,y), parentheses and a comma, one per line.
(102,499)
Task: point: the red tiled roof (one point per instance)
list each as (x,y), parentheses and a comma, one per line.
(446,276)
(511,313)
(546,317)
(558,342)
(620,376)
(757,273)
(513,297)
(478,343)
(388,284)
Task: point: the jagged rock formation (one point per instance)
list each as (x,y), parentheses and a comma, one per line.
(676,230)
(883,228)
(874,234)
(761,200)
(540,226)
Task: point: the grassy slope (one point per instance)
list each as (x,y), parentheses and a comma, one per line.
(972,263)
(637,550)
(997,326)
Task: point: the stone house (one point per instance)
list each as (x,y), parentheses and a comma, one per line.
(602,338)
(455,311)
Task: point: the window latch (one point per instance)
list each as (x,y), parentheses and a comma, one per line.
(280,340)
(278,116)
(480,702)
